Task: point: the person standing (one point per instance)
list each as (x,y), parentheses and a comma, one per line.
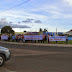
(13,38)
(66,39)
(17,38)
(22,37)
(9,38)
(48,38)
(43,38)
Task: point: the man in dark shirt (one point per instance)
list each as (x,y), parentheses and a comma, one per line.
(66,39)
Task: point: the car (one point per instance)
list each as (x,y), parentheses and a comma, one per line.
(5,55)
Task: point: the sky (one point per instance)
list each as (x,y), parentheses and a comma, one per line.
(36,14)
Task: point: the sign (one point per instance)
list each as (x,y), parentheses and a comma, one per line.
(69,38)
(33,37)
(57,38)
(4,37)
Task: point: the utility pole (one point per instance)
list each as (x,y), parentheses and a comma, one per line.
(56,31)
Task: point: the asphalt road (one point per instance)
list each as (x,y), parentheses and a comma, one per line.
(28,58)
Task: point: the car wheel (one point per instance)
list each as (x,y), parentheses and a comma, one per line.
(2,60)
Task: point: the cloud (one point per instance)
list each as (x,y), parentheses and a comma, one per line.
(21,14)
(28,21)
(38,21)
(68,2)
(67,15)
(51,11)
(3,23)
(31,21)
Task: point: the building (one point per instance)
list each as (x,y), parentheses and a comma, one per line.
(53,33)
(16,33)
(69,32)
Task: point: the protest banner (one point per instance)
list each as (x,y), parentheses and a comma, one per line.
(69,38)
(57,38)
(4,37)
(33,37)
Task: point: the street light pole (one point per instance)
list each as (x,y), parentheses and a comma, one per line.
(56,31)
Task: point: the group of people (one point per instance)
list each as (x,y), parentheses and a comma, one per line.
(20,38)
(17,38)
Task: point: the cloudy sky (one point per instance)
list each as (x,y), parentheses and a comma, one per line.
(49,14)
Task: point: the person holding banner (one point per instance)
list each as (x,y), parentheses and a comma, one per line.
(9,38)
(43,38)
(66,39)
(22,37)
(17,38)
(48,38)
(13,38)
(0,37)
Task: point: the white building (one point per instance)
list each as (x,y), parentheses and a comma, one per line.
(69,32)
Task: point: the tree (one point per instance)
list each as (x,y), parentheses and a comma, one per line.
(45,30)
(24,31)
(7,30)
(40,30)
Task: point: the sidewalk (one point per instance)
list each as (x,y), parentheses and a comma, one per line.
(39,44)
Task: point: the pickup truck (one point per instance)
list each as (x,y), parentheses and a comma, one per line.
(5,55)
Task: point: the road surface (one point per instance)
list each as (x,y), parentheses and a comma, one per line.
(31,58)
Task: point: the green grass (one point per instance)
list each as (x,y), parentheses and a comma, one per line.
(59,42)
(69,42)
(52,42)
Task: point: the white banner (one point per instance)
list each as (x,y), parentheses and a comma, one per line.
(4,37)
(57,38)
(33,37)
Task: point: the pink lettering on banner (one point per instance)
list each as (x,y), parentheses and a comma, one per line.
(33,37)
(27,38)
(50,39)
(57,38)
(60,39)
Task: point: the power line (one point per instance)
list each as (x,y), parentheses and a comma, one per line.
(15,6)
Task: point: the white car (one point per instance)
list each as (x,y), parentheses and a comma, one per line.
(5,55)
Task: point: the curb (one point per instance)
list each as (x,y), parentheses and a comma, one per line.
(38,44)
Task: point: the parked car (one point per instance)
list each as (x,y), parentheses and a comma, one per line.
(5,55)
